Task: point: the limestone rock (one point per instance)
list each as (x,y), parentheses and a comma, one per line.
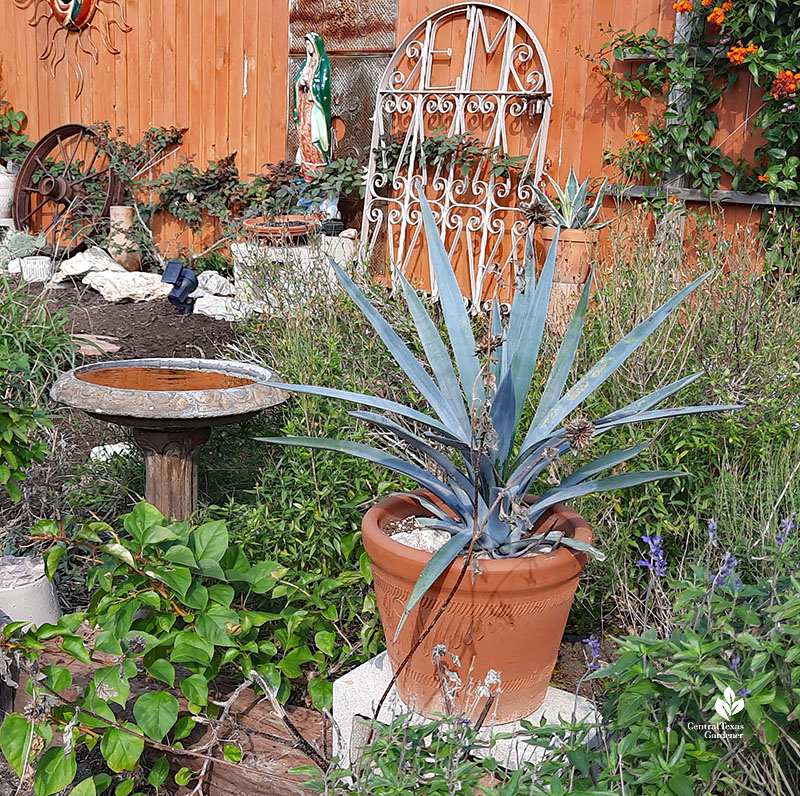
(91,261)
(214,283)
(223,308)
(104,453)
(125,285)
(428,539)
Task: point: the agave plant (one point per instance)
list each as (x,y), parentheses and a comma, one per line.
(573,208)
(478,399)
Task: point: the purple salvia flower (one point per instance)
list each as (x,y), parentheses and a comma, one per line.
(594,649)
(725,572)
(787,526)
(658,559)
(712,532)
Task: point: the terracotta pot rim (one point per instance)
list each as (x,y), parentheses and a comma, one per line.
(561,557)
(571,235)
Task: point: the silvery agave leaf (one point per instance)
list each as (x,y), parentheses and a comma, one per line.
(477,485)
(574,210)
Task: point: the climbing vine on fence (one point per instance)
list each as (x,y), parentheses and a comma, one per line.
(725,42)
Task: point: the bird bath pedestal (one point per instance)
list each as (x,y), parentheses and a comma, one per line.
(171,405)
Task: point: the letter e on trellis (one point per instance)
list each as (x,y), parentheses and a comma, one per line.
(478,75)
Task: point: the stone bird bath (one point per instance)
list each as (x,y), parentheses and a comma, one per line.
(171,405)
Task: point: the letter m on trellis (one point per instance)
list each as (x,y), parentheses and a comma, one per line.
(462,114)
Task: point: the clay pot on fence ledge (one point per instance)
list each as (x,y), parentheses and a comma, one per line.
(509,618)
(575,253)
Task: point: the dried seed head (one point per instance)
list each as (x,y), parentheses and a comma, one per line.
(579,432)
(136,646)
(105,691)
(536,213)
(490,344)
(439,651)
(38,709)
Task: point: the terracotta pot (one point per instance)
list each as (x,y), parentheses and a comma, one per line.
(577,249)
(283,230)
(510,617)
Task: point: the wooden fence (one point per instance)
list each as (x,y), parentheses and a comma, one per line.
(221,69)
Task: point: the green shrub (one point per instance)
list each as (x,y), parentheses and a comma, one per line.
(165,596)
(20,425)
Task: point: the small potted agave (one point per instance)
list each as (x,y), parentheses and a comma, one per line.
(572,213)
(509,552)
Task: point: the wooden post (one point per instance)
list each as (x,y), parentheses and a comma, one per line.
(171,468)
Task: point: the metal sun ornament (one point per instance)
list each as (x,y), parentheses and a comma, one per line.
(70,25)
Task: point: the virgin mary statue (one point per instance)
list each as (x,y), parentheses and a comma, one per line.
(312,108)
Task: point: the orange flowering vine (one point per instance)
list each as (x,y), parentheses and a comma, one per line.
(717,16)
(737,53)
(763,178)
(683,6)
(640,137)
(785,84)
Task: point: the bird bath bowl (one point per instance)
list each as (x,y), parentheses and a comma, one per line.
(171,405)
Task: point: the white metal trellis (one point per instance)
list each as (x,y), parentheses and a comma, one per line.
(495,82)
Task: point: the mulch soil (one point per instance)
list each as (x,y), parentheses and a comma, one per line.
(147,329)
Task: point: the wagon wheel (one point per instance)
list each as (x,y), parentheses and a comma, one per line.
(65,189)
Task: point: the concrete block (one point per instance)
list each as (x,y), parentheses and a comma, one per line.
(358,693)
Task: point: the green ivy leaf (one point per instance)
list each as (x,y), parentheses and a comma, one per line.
(211,569)
(85,787)
(195,689)
(177,578)
(156,712)
(157,534)
(180,554)
(121,749)
(16,733)
(54,772)
(57,677)
(51,559)
(74,646)
(221,593)
(162,670)
(291,663)
(196,596)
(183,728)
(159,772)
(182,776)
(107,643)
(141,519)
(321,693)
(190,648)
(124,787)
(210,540)
(325,640)
(119,551)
